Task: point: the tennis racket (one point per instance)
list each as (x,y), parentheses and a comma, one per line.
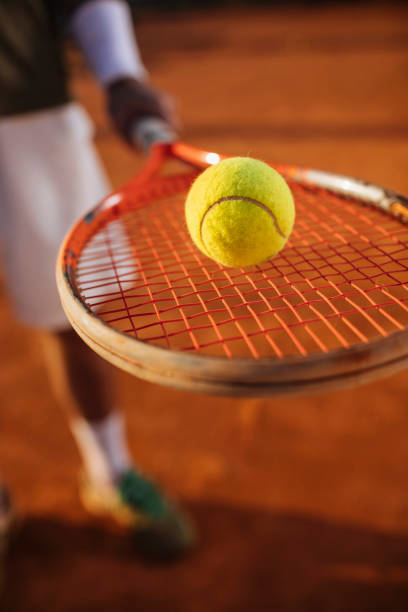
(329,311)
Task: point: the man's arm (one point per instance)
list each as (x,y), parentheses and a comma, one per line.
(103,30)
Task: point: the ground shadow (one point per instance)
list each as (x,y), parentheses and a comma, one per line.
(247,561)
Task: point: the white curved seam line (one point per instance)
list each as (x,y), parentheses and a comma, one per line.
(244,199)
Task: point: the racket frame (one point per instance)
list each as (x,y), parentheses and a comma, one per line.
(339,368)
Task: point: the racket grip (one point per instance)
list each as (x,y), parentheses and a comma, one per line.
(150,131)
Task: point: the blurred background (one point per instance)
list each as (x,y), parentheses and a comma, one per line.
(302,502)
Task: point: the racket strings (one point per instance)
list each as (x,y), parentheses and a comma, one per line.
(341,280)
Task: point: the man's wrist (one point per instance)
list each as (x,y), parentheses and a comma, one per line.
(130,100)
(123,81)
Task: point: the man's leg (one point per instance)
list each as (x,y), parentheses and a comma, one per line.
(64,181)
(82,381)
(83,384)
(111,486)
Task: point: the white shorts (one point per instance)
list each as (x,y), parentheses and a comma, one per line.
(50,175)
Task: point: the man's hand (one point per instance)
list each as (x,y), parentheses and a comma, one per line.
(129,100)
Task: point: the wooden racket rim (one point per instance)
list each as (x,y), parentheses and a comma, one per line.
(238,376)
(129,353)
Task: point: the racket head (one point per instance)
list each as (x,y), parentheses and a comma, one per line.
(331,310)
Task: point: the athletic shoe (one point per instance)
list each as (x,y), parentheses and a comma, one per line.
(160,529)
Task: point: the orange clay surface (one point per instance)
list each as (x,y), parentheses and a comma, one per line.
(302,503)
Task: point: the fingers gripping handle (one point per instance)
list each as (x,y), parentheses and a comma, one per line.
(152,130)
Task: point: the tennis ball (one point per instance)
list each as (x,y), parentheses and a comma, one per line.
(240,212)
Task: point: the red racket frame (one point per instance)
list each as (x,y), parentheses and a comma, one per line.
(239,376)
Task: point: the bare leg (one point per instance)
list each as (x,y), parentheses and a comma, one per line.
(82,381)
(84,387)
(112,486)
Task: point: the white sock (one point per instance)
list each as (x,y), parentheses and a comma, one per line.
(103,447)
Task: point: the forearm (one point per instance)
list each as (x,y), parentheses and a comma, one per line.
(104,32)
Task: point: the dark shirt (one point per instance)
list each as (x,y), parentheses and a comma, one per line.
(32,73)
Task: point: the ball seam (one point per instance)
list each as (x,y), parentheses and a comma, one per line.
(244,199)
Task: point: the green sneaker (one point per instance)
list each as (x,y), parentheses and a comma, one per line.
(160,529)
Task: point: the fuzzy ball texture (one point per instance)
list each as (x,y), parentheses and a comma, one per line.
(240,212)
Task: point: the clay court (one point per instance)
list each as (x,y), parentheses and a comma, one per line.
(302,502)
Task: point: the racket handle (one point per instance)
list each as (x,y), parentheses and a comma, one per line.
(150,131)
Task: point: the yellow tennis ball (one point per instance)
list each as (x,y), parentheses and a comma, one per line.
(240,212)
